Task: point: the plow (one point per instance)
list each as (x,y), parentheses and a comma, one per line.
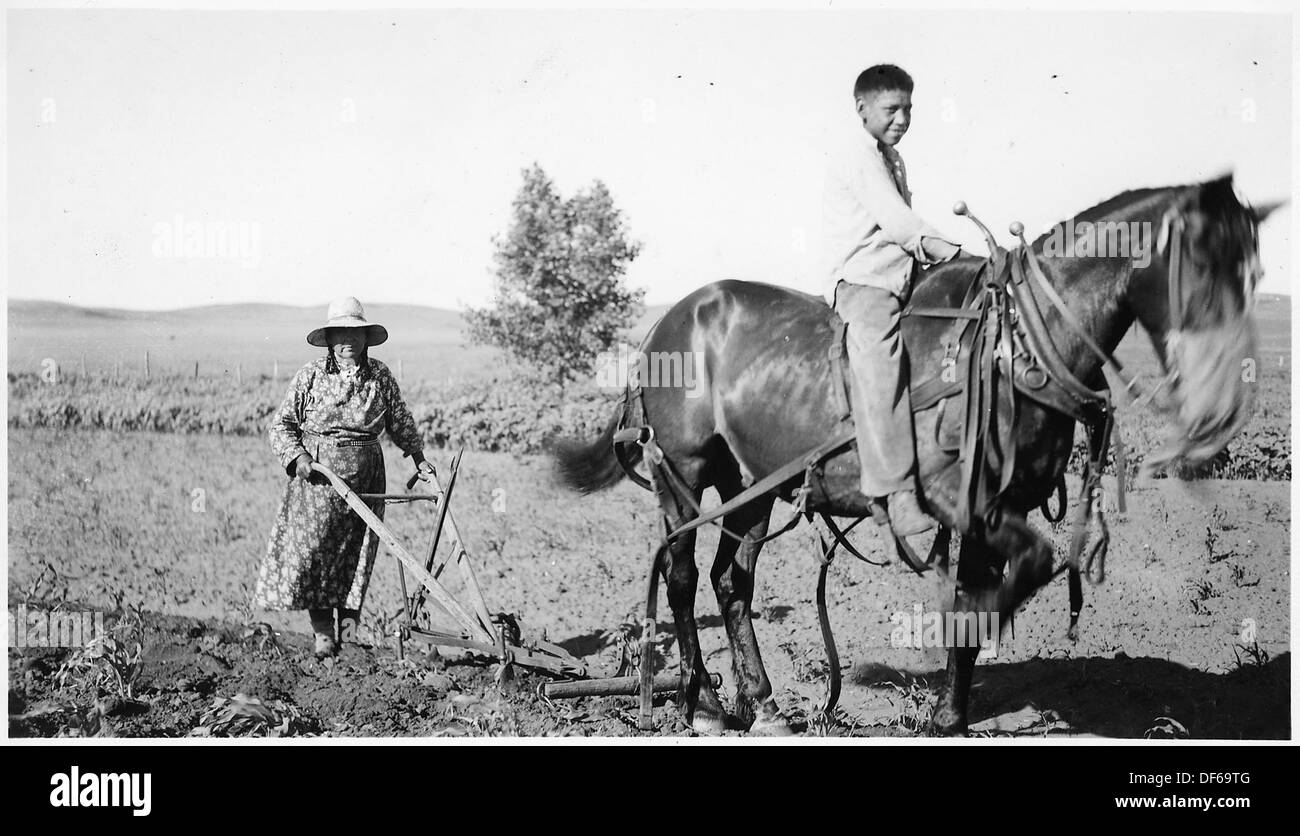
(428,604)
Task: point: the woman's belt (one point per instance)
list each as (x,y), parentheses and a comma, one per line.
(343,441)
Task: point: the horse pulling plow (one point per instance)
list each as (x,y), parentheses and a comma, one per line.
(1008,356)
(477,630)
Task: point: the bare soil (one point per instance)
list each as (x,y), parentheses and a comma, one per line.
(1187,637)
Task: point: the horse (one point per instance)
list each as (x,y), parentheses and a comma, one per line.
(764,397)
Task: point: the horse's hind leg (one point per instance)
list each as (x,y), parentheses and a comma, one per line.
(696,698)
(733,584)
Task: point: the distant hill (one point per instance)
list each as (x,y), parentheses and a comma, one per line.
(252,337)
(424,342)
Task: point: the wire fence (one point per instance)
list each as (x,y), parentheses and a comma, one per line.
(148,366)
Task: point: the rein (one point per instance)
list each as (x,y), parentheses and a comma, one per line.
(1171,233)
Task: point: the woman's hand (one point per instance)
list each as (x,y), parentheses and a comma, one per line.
(423,470)
(302,466)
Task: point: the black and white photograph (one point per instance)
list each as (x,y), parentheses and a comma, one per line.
(831,373)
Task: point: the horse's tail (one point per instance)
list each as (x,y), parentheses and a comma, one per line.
(593,466)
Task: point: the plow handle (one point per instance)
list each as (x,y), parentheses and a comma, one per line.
(441,595)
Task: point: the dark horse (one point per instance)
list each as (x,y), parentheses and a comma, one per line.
(766,399)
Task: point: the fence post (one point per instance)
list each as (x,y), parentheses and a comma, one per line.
(239,374)
(146,364)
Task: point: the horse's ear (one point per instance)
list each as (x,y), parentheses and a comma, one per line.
(1263,210)
(1223,178)
(1217,193)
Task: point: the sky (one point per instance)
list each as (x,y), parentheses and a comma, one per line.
(376,154)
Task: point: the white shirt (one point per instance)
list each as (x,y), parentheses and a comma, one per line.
(870,234)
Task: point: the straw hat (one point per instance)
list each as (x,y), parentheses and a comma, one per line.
(346,312)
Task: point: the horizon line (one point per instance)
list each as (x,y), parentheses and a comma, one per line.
(648,305)
(82,306)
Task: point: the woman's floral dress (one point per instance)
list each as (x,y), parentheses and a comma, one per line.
(321,553)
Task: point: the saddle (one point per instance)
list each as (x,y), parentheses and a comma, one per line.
(991,353)
(997,352)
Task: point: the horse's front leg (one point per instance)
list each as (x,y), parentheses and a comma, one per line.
(974,565)
(1028,568)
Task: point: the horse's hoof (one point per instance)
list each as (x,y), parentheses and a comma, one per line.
(944,725)
(776,727)
(708,726)
(770,722)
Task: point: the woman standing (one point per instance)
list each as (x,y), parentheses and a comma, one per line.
(320,553)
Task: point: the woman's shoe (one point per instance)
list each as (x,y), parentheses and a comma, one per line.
(325,646)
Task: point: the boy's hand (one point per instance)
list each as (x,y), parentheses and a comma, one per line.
(939,250)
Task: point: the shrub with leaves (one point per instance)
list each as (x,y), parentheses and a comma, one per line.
(110,663)
(560,298)
(245,716)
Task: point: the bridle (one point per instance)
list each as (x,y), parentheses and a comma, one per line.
(1171,237)
(1172,229)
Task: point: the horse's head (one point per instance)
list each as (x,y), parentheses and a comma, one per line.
(1196,300)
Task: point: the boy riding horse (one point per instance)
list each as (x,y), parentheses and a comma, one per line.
(874,244)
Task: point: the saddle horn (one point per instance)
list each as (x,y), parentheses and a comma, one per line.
(960,208)
(1018,229)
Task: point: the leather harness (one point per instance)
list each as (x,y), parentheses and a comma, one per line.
(1001,347)
(1000,334)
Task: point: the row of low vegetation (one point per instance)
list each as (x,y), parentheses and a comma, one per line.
(517,415)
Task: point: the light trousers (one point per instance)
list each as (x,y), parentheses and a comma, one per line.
(882,406)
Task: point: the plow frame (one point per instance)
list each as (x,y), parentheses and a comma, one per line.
(479,631)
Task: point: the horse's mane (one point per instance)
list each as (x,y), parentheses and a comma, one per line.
(1111,205)
(1221,240)
(1222,232)
(1216,199)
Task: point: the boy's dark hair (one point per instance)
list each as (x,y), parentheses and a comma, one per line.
(880,78)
